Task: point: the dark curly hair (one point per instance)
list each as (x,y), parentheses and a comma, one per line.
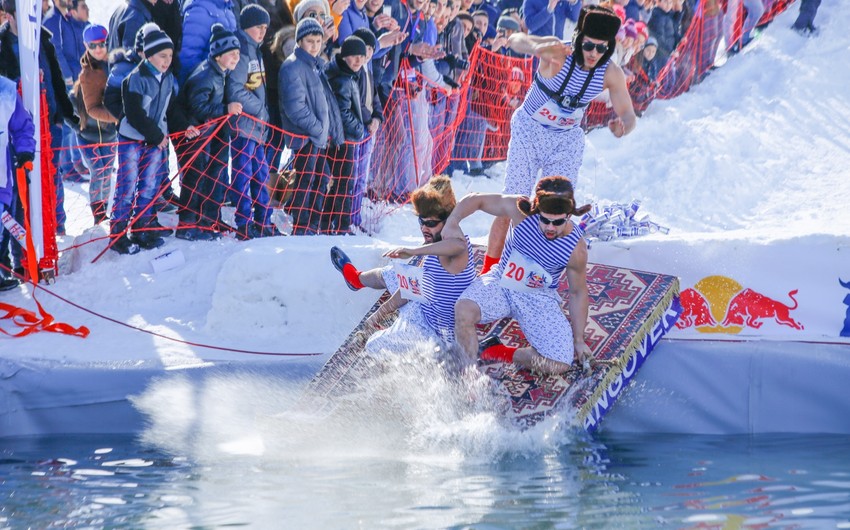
(552,195)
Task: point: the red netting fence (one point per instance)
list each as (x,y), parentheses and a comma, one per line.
(248,178)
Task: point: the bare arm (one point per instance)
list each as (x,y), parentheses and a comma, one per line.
(615,82)
(579,299)
(452,253)
(492,203)
(551,51)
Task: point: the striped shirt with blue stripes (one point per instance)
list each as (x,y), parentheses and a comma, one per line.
(536,98)
(442,289)
(552,254)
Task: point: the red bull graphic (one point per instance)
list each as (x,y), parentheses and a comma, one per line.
(535,281)
(719,304)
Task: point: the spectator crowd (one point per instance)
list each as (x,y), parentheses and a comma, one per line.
(274,104)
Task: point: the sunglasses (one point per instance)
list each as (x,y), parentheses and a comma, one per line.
(590,46)
(429,223)
(96,45)
(553,222)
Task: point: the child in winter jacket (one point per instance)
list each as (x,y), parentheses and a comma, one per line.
(149,94)
(247,85)
(203,99)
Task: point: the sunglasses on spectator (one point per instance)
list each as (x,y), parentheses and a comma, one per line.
(589,46)
(429,223)
(96,45)
(553,222)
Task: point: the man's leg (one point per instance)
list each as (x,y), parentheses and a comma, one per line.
(550,337)
(467,315)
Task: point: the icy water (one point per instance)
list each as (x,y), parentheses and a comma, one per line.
(777,481)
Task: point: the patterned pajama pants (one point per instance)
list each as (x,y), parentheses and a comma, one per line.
(539,315)
(533,148)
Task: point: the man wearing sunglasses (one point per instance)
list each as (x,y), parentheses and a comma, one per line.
(447,270)
(546,133)
(541,243)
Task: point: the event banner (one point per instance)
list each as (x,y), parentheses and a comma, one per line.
(796,289)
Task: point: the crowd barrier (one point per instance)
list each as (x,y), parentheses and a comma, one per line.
(251,178)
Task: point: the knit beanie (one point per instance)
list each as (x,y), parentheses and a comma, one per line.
(139,44)
(305,5)
(308,26)
(253,15)
(366,35)
(352,45)
(222,41)
(156,41)
(94,33)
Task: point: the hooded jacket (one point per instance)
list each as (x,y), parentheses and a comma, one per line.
(345,85)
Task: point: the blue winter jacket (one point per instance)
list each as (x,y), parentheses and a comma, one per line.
(198,19)
(352,20)
(662,26)
(68,40)
(125,23)
(542,23)
(247,85)
(19,130)
(304,104)
(121,63)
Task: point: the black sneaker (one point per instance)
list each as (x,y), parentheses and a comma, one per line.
(124,245)
(7,284)
(148,240)
(488,341)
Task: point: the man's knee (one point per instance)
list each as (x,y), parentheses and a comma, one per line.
(467,312)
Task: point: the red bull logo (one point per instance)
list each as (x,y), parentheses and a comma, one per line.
(718,304)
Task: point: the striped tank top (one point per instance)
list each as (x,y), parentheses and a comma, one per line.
(442,289)
(551,254)
(536,97)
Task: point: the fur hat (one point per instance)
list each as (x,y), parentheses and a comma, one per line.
(253,15)
(435,199)
(366,35)
(596,22)
(222,41)
(552,195)
(94,33)
(156,41)
(308,26)
(352,45)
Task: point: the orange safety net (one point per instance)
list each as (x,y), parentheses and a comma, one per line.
(250,179)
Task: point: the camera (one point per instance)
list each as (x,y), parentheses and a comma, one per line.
(456,62)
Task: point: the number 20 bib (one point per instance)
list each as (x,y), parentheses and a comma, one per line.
(410,281)
(554,116)
(524,275)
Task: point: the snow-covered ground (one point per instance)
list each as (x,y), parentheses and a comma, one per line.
(758,152)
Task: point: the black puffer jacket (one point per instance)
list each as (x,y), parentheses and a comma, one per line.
(202,96)
(346,87)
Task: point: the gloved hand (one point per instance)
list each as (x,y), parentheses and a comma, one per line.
(24,160)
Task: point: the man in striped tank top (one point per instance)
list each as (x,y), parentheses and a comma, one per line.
(425,296)
(546,133)
(541,243)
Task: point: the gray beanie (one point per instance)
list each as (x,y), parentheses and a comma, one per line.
(308,26)
(305,5)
